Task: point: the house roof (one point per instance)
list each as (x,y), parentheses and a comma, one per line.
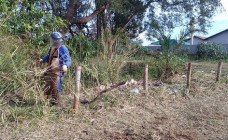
(199,37)
(217,34)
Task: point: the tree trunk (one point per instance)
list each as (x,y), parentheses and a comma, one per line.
(104,20)
(99,24)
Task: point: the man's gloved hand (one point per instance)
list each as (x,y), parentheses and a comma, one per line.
(64,68)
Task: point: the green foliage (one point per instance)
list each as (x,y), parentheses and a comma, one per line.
(167,63)
(102,71)
(141,51)
(82,48)
(16,67)
(101,68)
(161,68)
(207,50)
(29,21)
(133,71)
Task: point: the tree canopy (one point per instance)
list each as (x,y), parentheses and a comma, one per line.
(32,18)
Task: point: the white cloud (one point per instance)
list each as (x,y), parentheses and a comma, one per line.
(225,4)
(222,16)
(143,37)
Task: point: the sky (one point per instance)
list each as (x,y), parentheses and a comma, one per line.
(219,23)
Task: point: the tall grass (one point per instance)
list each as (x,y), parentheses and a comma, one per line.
(17,68)
(21,86)
(158,67)
(94,57)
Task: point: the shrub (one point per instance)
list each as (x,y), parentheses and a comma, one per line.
(210,50)
(160,66)
(165,66)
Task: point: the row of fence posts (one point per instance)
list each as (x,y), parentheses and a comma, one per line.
(218,75)
(76,104)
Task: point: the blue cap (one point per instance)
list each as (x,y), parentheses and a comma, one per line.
(56,35)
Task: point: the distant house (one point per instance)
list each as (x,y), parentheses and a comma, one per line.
(219,38)
(196,40)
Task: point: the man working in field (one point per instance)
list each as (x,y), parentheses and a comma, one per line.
(59,60)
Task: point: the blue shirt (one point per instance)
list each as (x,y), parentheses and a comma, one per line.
(64,56)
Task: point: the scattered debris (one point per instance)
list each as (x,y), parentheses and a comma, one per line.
(135,90)
(141,83)
(133,82)
(86,100)
(101,105)
(175,91)
(123,89)
(159,84)
(102,87)
(212,72)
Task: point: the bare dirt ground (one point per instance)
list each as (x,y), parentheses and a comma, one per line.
(168,111)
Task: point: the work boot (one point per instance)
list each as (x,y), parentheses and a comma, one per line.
(55,100)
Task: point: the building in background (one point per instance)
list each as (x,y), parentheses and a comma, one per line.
(196,40)
(219,38)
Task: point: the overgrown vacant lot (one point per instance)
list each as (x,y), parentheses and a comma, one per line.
(168,111)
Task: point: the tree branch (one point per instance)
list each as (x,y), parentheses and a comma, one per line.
(90,17)
(124,27)
(102,92)
(53,8)
(128,22)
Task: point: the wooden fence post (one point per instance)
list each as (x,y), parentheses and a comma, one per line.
(145,79)
(78,83)
(219,71)
(189,75)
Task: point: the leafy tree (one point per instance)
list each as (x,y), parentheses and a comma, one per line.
(34,18)
(29,20)
(174,13)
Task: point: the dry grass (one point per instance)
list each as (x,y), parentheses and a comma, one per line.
(165,112)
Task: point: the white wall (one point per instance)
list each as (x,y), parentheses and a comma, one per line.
(196,41)
(221,38)
(188,49)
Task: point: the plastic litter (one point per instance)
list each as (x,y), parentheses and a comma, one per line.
(102,87)
(212,71)
(135,90)
(133,82)
(101,104)
(158,84)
